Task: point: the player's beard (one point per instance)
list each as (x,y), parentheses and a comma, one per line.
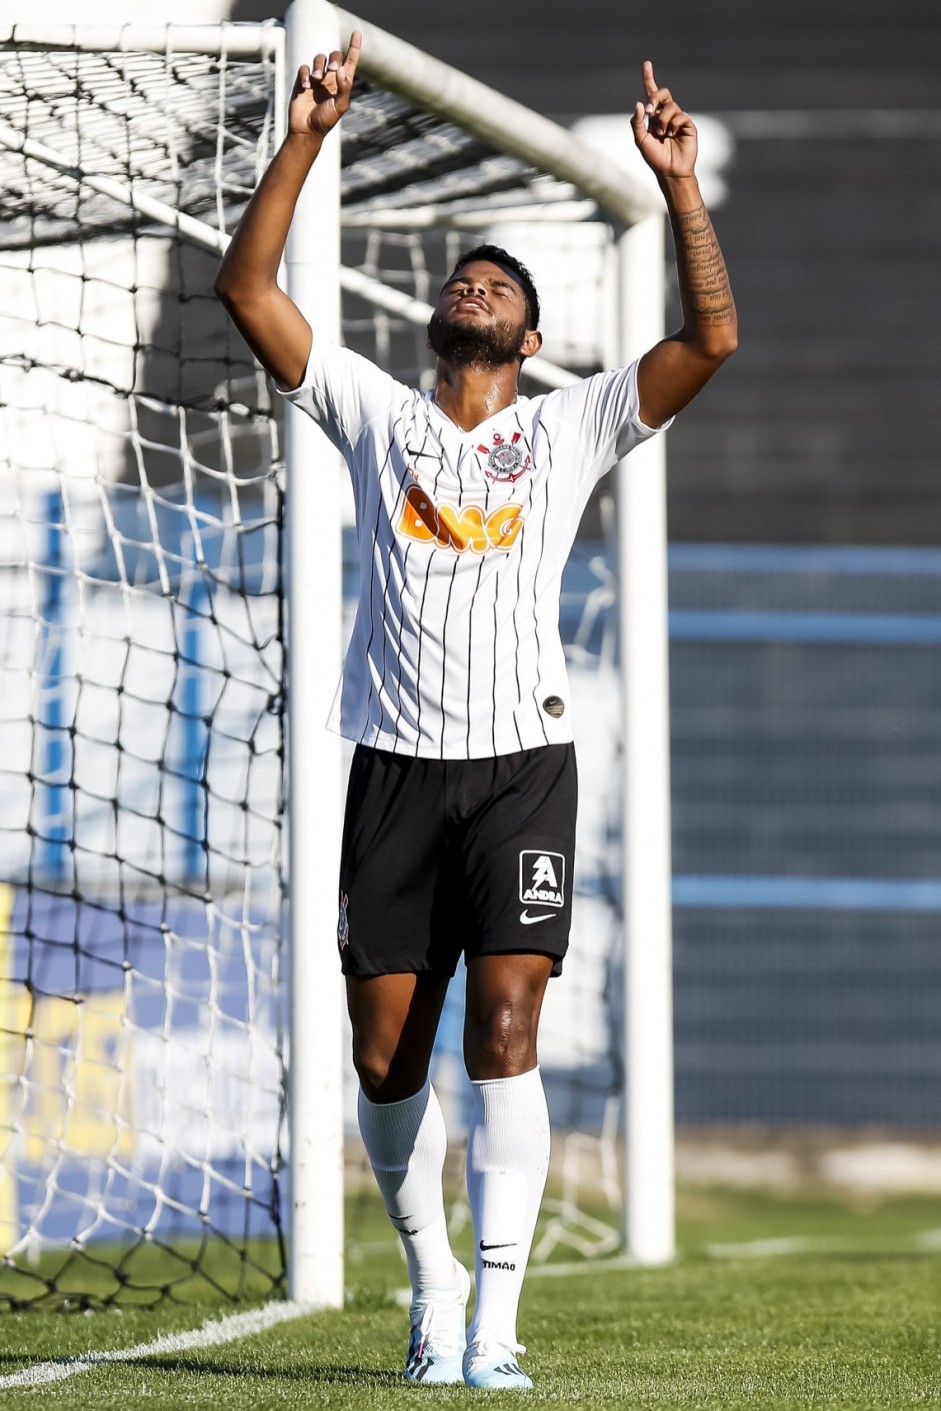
(472,344)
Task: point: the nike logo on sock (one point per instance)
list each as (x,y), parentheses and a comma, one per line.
(485,1247)
(528,920)
(404,1221)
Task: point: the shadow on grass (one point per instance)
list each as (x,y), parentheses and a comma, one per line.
(331,1376)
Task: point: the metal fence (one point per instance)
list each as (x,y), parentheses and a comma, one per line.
(806,698)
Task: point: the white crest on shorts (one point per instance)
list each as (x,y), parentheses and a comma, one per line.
(343,924)
(542,878)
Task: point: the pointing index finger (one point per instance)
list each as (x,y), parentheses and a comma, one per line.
(650,83)
(353,51)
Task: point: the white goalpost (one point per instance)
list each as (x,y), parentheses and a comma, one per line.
(147,535)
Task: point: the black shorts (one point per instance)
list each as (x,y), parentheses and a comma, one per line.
(445,856)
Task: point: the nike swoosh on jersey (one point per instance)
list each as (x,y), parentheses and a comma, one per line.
(528,920)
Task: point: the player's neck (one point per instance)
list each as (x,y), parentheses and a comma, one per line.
(470,395)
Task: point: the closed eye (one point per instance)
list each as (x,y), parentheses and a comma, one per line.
(498,286)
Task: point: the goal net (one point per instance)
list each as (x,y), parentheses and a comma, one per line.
(144,1043)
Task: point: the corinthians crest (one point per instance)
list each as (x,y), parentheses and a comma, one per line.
(505,459)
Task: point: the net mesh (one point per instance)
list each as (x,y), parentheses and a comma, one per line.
(142,1044)
(189,130)
(141,739)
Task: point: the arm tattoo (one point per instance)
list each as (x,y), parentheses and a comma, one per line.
(704,284)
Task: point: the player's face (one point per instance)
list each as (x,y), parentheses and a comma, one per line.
(480,316)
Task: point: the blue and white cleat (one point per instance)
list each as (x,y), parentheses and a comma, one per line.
(439,1332)
(492,1365)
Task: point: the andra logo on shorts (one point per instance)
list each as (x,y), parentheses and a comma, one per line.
(542,878)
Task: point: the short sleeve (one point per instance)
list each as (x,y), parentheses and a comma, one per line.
(342,392)
(604,413)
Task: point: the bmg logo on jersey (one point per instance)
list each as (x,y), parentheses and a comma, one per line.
(450,527)
(542,878)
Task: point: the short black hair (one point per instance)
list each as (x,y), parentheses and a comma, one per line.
(497,256)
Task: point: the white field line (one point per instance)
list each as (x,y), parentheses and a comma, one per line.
(926,1240)
(788,1244)
(239,1325)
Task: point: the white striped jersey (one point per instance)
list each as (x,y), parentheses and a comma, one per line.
(463,536)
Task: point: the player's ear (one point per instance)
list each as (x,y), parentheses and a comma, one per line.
(531,343)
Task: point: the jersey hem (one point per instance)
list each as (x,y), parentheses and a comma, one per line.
(431,750)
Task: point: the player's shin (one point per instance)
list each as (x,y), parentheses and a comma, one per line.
(406,1144)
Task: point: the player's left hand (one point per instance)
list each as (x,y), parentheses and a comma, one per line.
(665,135)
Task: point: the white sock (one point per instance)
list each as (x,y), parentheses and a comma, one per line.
(507,1165)
(406,1144)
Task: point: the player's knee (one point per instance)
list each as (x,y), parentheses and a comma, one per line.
(372,1064)
(386,1076)
(500,1039)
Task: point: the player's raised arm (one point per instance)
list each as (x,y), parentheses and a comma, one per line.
(671,373)
(247,282)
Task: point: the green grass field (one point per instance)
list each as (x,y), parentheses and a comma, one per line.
(772,1302)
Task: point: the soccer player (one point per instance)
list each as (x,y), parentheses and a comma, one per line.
(460,816)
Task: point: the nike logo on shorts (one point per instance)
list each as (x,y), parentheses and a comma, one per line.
(528,920)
